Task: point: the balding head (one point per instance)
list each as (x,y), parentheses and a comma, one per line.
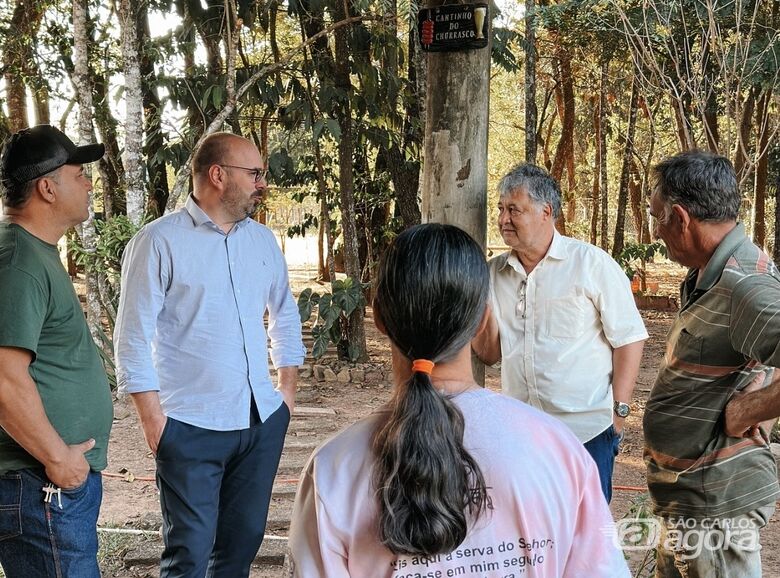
(215,149)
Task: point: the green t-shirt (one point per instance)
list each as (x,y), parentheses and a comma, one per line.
(40,312)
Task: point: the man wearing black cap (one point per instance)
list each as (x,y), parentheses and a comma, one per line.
(55,402)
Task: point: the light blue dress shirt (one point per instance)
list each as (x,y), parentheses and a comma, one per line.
(190,319)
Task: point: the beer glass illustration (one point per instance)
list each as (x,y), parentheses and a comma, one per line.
(479,20)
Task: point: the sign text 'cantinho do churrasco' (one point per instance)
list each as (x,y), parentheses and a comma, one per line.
(453,27)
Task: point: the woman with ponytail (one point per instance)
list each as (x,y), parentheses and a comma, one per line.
(448,479)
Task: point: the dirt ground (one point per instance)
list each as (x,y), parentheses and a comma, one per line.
(131,499)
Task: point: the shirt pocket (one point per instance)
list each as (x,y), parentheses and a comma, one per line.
(565,317)
(688,349)
(683,360)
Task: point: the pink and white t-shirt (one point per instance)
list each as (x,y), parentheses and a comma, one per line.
(548,518)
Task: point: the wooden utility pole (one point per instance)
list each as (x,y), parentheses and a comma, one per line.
(454,187)
(454,180)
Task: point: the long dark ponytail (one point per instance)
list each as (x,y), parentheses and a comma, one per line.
(431,294)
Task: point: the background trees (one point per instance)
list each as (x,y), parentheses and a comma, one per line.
(334,93)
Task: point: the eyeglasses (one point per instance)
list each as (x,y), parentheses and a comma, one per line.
(259,173)
(521,299)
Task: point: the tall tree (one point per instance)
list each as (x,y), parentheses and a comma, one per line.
(83,89)
(625,172)
(564,152)
(343,113)
(602,146)
(530,82)
(154,144)
(135,175)
(595,187)
(762,170)
(403,159)
(19,64)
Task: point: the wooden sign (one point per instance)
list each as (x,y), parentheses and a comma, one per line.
(453,27)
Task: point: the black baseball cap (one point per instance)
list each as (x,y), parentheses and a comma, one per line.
(34,152)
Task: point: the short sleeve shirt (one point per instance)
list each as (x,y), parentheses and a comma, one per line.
(40,312)
(726,334)
(559,325)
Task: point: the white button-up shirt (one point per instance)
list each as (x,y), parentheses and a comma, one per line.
(559,325)
(190,319)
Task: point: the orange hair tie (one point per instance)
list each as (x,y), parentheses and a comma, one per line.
(423,365)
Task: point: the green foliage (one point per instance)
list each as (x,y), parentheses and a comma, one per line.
(504,40)
(106,263)
(643,525)
(333,312)
(634,256)
(112,237)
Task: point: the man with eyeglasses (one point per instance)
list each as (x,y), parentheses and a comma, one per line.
(192,351)
(565,325)
(710,471)
(55,402)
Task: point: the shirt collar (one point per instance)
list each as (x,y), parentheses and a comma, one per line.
(557,248)
(556,251)
(714,268)
(199,216)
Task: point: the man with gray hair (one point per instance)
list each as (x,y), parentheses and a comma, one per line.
(564,321)
(713,490)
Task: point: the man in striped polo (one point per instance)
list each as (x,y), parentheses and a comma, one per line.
(712,491)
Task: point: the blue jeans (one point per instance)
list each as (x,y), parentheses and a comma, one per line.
(44,540)
(215,487)
(603,449)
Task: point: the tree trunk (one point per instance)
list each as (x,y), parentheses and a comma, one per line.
(209,22)
(189,43)
(710,112)
(762,169)
(638,203)
(357,333)
(595,200)
(157,195)
(743,150)
(83,89)
(326,263)
(530,83)
(603,182)
(454,189)
(455,168)
(776,244)
(18,54)
(404,168)
(685,137)
(711,124)
(564,153)
(329,273)
(110,166)
(620,220)
(134,125)
(40,93)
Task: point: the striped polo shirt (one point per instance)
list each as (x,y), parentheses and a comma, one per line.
(727,332)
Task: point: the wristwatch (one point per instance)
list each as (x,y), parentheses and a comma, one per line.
(621,409)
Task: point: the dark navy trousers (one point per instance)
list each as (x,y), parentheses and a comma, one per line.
(215,487)
(603,449)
